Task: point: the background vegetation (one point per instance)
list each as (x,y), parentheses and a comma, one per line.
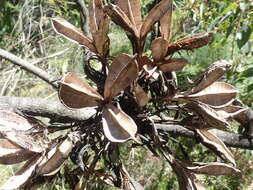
(25,30)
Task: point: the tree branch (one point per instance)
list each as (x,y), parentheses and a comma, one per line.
(53,110)
(56,112)
(28,67)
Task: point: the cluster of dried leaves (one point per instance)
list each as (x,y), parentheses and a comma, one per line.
(144,87)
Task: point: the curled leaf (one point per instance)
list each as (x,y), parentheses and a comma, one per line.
(122,72)
(69,31)
(96,14)
(219,94)
(211,75)
(233,112)
(120,18)
(9,120)
(132,9)
(140,95)
(216,145)
(99,24)
(75,93)
(173,64)
(136,10)
(52,161)
(117,125)
(209,115)
(186,179)
(156,13)
(166,23)
(190,43)
(34,142)
(159,48)
(11,153)
(213,168)
(23,175)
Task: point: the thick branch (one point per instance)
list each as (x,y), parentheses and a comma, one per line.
(58,113)
(28,67)
(230,139)
(53,110)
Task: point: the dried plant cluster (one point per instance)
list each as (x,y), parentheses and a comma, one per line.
(132,94)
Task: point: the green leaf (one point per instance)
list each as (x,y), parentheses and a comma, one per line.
(247,73)
(244,36)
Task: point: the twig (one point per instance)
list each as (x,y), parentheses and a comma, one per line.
(29,67)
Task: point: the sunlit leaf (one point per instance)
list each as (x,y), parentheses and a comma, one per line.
(173,64)
(35,142)
(213,168)
(23,175)
(190,43)
(117,125)
(54,158)
(211,75)
(99,25)
(122,72)
(218,94)
(209,115)
(166,23)
(120,18)
(156,13)
(216,145)
(132,9)
(140,95)
(159,48)
(75,93)
(69,31)
(186,179)
(11,153)
(9,120)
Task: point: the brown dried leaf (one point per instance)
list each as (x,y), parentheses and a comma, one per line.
(53,160)
(75,93)
(159,48)
(190,43)
(233,112)
(133,10)
(140,95)
(136,9)
(210,116)
(166,23)
(173,64)
(99,25)
(122,72)
(11,153)
(30,141)
(23,175)
(120,18)
(156,13)
(10,120)
(218,94)
(186,179)
(216,145)
(69,31)
(96,14)
(212,74)
(101,39)
(117,125)
(213,168)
